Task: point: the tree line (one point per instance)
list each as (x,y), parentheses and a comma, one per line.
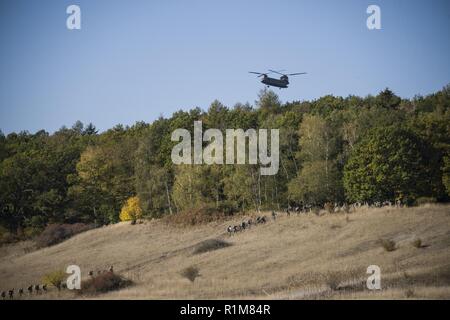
(332,149)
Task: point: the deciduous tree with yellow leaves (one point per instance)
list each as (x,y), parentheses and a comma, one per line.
(131,210)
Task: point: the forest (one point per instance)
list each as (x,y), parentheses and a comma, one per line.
(332,150)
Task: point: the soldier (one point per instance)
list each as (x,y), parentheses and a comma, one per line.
(274,215)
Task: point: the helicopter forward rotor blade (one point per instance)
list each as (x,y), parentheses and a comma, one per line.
(258,73)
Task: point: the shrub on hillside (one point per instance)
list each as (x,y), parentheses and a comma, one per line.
(190,273)
(37,222)
(55,278)
(210,245)
(32,232)
(56,233)
(388,244)
(417,243)
(104,282)
(7,236)
(132,210)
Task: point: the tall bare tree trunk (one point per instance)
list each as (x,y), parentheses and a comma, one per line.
(168,197)
(259,190)
(284,168)
(292,154)
(326,162)
(217,198)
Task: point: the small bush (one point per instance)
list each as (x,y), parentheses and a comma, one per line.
(6,236)
(103,282)
(55,278)
(417,243)
(388,244)
(56,233)
(425,200)
(132,210)
(329,207)
(190,273)
(37,222)
(32,232)
(210,245)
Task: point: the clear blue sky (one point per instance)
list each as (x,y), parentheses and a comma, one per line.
(135,60)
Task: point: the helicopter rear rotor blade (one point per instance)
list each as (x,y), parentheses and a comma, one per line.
(277,72)
(289,74)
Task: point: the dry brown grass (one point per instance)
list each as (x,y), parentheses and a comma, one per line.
(301,257)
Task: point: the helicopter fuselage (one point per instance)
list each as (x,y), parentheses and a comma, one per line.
(279,83)
(283,82)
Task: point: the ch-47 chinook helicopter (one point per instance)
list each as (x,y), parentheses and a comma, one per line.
(279,83)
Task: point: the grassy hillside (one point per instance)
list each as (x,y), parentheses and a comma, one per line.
(312,257)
